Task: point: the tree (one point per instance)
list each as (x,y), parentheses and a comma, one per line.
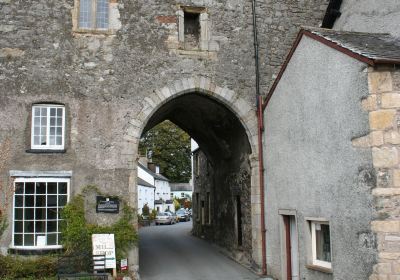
(169,147)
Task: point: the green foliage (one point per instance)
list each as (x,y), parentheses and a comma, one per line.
(76,232)
(14,267)
(3,223)
(145,210)
(170,149)
(177,204)
(153,214)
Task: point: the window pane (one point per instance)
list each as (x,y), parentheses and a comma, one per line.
(52,112)
(40,214)
(85,13)
(43,111)
(52,200)
(59,140)
(28,240)
(18,227)
(29,201)
(40,188)
(323,243)
(43,140)
(62,188)
(30,188)
(36,140)
(59,112)
(52,239)
(52,130)
(36,121)
(19,200)
(36,130)
(19,188)
(52,226)
(29,226)
(52,188)
(29,214)
(59,121)
(52,121)
(40,226)
(62,200)
(40,201)
(59,131)
(18,239)
(102,14)
(52,213)
(52,140)
(36,111)
(19,214)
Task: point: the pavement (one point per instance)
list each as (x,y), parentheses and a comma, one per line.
(170,252)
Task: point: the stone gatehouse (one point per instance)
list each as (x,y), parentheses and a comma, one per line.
(82,80)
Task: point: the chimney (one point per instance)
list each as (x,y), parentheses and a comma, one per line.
(151,166)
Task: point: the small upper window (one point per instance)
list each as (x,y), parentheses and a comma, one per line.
(321,244)
(48,125)
(191,30)
(93,14)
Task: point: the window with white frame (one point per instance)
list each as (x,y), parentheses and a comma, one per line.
(321,244)
(94,14)
(36,213)
(48,125)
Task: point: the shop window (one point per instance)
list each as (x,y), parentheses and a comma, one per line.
(36,212)
(48,126)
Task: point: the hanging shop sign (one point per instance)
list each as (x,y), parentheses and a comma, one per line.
(107,205)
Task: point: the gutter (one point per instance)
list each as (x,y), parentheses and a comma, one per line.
(259,102)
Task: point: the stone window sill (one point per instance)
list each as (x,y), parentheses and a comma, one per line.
(94,32)
(39,252)
(319,268)
(45,151)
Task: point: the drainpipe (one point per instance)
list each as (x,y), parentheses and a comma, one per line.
(260,132)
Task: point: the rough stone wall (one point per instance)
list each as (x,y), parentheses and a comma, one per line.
(224,186)
(369,16)
(312,167)
(383,104)
(278,24)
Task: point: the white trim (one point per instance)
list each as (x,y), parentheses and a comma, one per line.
(47,146)
(314,247)
(41,174)
(23,207)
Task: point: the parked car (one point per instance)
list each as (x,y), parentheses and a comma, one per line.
(183,215)
(176,218)
(165,218)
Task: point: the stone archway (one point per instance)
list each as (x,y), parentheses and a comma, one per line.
(240,107)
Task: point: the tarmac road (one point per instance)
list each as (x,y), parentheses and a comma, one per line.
(170,252)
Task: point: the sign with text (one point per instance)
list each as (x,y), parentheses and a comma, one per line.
(103,244)
(124,264)
(107,204)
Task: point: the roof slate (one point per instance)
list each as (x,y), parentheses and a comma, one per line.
(157,176)
(175,187)
(144,183)
(379,47)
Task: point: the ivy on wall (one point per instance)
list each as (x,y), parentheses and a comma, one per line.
(77,233)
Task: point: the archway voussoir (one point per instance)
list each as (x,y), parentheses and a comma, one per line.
(191,84)
(149,102)
(197,83)
(179,87)
(160,96)
(166,92)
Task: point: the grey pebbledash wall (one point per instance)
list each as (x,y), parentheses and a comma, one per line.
(111,84)
(312,167)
